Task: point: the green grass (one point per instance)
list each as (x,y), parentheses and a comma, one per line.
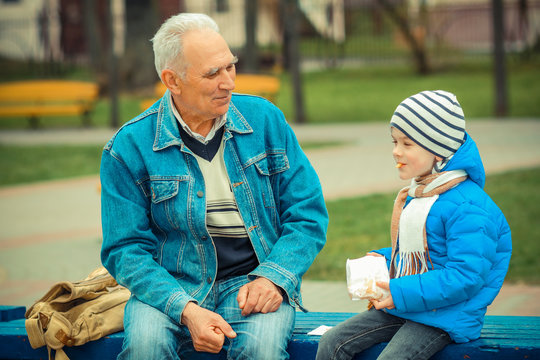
(372,94)
(357,225)
(24,164)
(516,193)
(366,94)
(361,224)
(308,145)
(27,164)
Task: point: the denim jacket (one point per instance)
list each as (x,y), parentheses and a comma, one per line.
(155,240)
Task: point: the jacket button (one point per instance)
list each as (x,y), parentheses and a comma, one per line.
(204,237)
(209,280)
(200,194)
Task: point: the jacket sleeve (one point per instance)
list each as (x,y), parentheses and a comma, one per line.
(471,242)
(128,242)
(386,252)
(303,217)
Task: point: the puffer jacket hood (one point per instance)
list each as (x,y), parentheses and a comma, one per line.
(467,158)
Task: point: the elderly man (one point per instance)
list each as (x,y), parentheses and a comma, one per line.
(211,212)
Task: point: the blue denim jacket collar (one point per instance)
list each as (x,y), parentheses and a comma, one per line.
(168,134)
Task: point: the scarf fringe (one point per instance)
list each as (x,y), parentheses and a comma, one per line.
(415,262)
(410,263)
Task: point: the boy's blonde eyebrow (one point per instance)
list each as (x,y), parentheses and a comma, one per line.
(401,137)
(398,135)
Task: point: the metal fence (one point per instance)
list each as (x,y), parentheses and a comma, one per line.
(358,32)
(448,33)
(333,32)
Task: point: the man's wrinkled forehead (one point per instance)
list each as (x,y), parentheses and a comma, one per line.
(208,50)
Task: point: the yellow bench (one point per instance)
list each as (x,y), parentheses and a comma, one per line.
(266,86)
(36,98)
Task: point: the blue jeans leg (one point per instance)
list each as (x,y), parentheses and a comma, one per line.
(259,336)
(149,333)
(406,339)
(415,341)
(357,334)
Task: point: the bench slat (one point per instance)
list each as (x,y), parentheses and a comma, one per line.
(245,83)
(47,90)
(503,337)
(8,313)
(43,110)
(266,86)
(37,98)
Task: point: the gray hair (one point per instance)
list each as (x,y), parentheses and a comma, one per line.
(167,42)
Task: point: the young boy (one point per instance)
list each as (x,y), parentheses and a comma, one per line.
(451,244)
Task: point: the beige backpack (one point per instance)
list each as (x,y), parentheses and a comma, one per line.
(73,313)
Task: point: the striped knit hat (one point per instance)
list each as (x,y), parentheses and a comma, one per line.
(433,120)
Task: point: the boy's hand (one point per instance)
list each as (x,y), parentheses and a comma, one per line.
(371,253)
(386,303)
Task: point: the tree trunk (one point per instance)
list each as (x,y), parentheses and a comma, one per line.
(499,60)
(417,46)
(250,49)
(293,57)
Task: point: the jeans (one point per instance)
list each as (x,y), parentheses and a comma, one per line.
(150,334)
(406,339)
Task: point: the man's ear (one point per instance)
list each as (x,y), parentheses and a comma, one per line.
(172,81)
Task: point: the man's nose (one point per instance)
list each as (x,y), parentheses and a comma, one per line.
(227,82)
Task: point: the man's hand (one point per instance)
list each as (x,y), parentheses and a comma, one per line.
(259,296)
(207,329)
(386,303)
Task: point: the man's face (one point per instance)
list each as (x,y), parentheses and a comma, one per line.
(205,92)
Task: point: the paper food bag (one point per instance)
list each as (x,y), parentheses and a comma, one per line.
(362,277)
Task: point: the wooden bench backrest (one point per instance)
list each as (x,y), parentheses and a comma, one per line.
(47,91)
(262,85)
(257,84)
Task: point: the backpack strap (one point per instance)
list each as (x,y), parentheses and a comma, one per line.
(35,332)
(59,355)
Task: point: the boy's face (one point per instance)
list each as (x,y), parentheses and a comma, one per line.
(415,160)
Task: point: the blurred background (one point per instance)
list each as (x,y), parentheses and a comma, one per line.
(339,64)
(308,44)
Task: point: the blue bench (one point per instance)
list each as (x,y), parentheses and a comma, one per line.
(503,337)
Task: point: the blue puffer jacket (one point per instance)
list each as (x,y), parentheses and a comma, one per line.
(470,246)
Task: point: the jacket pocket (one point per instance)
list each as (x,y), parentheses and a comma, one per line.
(166,206)
(273,163)
(267,167)
(163,189)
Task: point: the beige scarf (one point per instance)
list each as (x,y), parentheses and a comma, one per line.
(411,227)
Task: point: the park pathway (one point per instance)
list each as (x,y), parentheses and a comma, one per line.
(51,230)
